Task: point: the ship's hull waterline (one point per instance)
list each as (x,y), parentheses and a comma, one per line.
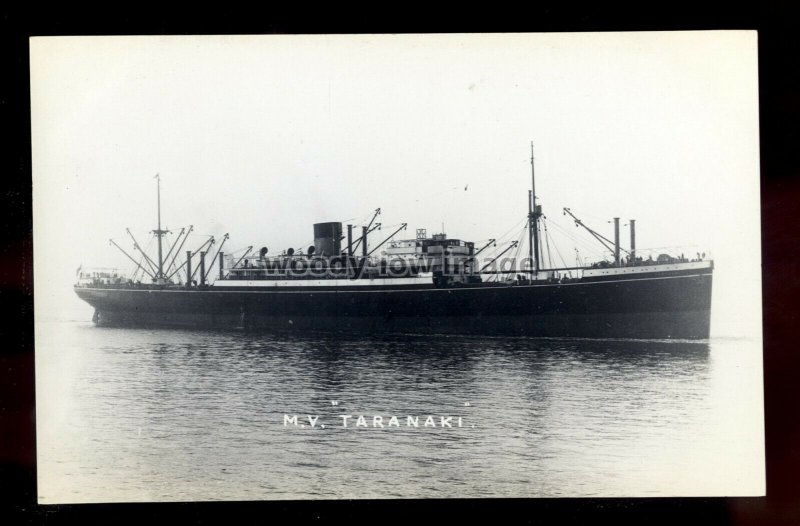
(648,307)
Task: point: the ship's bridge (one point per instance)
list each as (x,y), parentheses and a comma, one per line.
(438,252)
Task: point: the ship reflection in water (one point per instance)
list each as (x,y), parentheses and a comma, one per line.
(132,415)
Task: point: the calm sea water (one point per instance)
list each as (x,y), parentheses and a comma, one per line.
(170,415)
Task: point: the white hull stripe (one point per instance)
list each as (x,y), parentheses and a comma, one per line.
(346,290)
(383,282)
(622,271)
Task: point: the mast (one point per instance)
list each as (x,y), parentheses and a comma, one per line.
(534,212)
(159,233)
(530,228)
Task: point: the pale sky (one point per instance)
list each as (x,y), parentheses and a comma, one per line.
(263,136)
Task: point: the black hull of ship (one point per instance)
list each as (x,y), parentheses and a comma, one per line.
(668,307)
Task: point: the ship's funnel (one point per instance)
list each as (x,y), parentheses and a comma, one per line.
(328,239)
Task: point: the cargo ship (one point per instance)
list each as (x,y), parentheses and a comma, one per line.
(347,281)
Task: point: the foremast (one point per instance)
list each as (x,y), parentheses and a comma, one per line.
(159,278)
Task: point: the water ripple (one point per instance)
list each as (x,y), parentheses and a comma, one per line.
(130,415)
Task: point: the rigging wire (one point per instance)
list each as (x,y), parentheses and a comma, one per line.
(145,251)
(238,250)
(566,232)
(558,252)
(547,243)
(519,238)
(136,270)
(512,229)
(578,260)
(594,253)
(500,240)
(171,265)
(594,217)
(520,241)
(577,241)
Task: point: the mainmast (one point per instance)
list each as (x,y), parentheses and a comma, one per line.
(534,213)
